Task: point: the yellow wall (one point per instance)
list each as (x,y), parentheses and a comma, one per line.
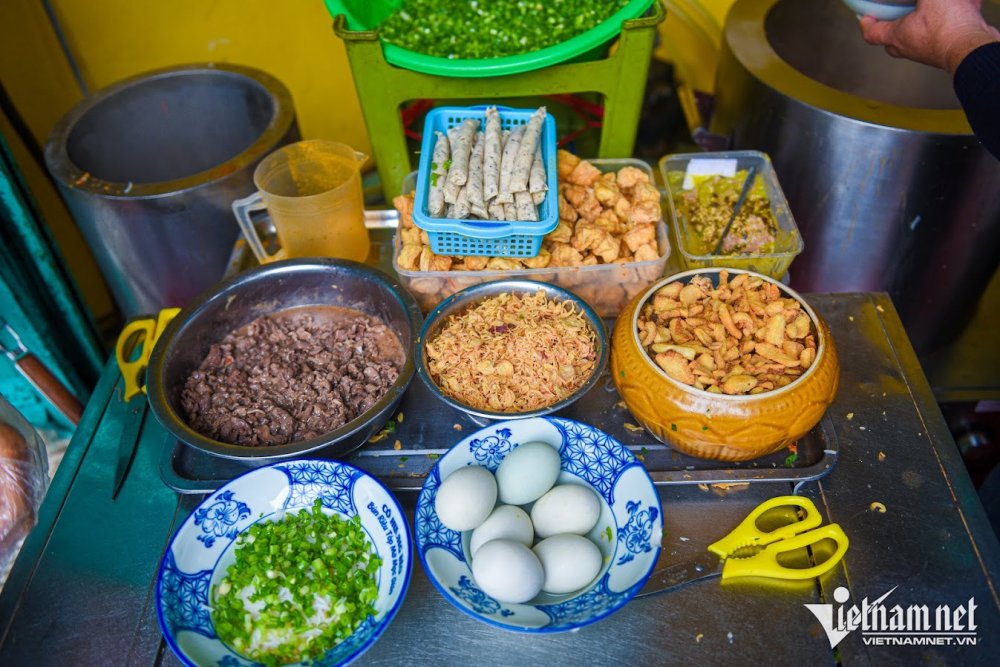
(114,39)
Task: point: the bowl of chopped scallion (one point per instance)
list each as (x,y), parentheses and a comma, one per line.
(479,38)
(299,562)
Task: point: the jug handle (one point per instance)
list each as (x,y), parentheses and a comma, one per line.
(242,208)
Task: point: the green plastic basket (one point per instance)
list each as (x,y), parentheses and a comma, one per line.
(366,15)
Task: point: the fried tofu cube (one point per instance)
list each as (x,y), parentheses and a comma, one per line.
(563,254)
(565,164)
(639,236)
(409,256)
(584,174)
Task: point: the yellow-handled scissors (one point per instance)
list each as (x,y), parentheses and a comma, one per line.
(132,351)
(757,547)
(140,334)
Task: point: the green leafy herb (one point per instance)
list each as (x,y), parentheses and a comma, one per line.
(673,427)
(434,178)
(491,28)
(791,459)
(704,428)
(608,533)
(404,459)
(311,576)
(447,164)
(433,457)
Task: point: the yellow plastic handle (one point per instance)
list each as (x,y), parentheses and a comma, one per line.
(144,329)
(749,534)
(148,331)
(766,564)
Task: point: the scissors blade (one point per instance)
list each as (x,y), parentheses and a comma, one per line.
(674,576)
(128,442)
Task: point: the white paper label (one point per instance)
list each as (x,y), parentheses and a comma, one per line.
(708,167)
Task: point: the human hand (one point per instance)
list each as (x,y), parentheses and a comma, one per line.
(939,33)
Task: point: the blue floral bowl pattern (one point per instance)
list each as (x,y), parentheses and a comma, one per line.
(628,532)
(202,549)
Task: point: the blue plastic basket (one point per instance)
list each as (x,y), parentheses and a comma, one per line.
(455,236)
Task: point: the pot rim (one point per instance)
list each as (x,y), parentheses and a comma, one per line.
(70,175)
(821,343)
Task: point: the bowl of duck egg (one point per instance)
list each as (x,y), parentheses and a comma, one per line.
(538,525)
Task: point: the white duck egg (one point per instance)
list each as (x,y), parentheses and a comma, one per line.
(570,562)
(566,508)
(466,498)
(527,473)
(507,522)
(508,571)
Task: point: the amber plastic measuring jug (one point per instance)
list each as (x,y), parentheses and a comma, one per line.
(312,191)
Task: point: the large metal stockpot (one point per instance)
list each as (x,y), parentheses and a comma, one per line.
(149,167)
(890,189)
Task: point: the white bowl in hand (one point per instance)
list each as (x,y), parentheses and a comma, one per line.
(883,10)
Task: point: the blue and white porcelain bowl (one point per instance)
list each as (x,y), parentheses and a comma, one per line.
(203,548)
(628,532)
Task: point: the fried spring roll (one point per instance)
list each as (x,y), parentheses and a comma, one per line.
(462,204)
(439,174)
(492,149)
(474,185)
(525,207)
(450,188)
(461,149)
(536,182)
(521,169)
(506,194)
(496,211)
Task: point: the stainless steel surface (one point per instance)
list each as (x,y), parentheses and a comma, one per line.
(81,592)
(149,166)
(665,579)
(426,427)
(889,188)
(461,301)
(268,289)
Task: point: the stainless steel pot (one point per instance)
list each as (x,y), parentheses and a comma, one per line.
(265,290)
(149,167)
(890,189)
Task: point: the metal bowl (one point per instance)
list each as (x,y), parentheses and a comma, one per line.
(462,301)
(269,289)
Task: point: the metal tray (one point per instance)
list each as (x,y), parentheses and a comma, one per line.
(424,428)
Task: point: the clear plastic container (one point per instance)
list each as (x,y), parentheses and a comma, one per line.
(606,287)
(788,242)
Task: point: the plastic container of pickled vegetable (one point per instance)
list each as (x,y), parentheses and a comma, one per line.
(606,287)
(764,237)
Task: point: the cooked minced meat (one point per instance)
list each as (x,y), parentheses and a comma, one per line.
(291,376)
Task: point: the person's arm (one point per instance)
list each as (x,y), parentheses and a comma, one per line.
(977,84)
(951,35)
(940,33)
